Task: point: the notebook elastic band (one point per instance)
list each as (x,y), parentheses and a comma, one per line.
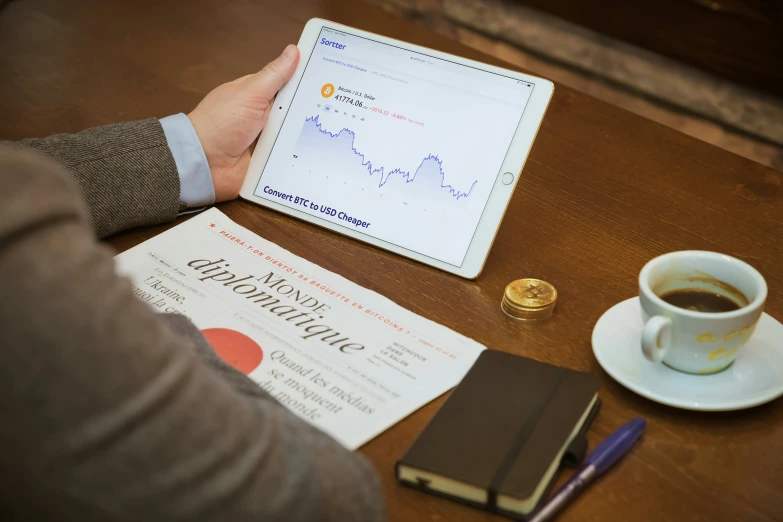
(520,439)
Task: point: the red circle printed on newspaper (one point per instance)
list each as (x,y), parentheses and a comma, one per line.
(237,349)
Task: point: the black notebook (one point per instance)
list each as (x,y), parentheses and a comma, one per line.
(500,438)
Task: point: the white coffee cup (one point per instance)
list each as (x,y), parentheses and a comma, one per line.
(691,341)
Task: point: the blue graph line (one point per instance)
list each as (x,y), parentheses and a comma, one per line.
(406,175)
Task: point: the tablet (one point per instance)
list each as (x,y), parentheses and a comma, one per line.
(403,147)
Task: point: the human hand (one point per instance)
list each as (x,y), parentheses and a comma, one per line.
(229,119)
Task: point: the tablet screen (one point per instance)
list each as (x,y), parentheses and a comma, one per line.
(396,144)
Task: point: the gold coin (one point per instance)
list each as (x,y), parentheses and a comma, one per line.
(327,90)
(529,299)
(530,293)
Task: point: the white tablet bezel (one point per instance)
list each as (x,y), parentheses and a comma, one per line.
(501,193)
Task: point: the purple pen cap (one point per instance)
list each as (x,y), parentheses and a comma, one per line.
(606,454)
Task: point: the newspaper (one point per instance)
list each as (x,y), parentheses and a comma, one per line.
(344,358)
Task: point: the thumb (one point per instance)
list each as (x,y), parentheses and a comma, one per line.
(265,83)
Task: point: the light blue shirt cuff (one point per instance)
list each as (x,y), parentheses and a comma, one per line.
(195,179)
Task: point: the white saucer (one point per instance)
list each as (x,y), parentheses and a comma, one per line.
(755,377)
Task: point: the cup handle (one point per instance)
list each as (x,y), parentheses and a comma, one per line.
(656,338)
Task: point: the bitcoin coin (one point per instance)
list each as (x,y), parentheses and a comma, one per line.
(327,90)
(529,299)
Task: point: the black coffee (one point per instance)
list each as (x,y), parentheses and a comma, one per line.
(700,301)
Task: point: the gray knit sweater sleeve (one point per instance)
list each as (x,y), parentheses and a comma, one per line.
(112,412)
(125,172)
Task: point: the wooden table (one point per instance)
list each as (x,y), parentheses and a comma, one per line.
(602,192)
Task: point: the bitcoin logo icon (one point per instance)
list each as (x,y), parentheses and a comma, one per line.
(532,292)
(327,90)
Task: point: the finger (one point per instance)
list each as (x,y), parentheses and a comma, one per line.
(239,80)
(252,147)
(266,82)
(266,114)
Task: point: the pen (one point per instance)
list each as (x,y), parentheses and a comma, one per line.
(603,457)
